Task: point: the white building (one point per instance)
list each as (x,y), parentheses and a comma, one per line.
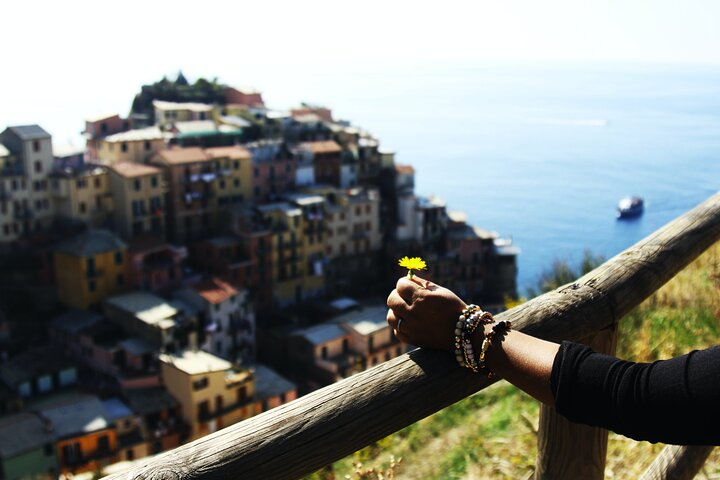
(26,161)
(229,318)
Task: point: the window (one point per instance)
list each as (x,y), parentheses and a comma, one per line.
(104,443)
(136,184)
(48,449)
(236,165)
(36,145)
(14,185)
(242,394)
(120,279)
(324,352)
(83,208)
(38,166)
(154,181)
(200,384)
(370,342)
(91,286)
(81,183)
(97,182)
(123,147)
(222,183)
(236,182)
(90,266)
(147,146)
(256,172)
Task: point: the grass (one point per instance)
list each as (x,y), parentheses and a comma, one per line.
(493,433)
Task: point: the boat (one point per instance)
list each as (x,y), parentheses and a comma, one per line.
(630,207)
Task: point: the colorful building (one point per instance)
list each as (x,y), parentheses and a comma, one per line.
(90,267)
(139,194)
(83,194)
(274,168)
(212,392)
(27,447)
(26,161)
(327,161)
(169,113)
(136,145)
(155,265)
(228,319)
(85,439)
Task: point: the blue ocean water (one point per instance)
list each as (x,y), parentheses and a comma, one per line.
(543,153)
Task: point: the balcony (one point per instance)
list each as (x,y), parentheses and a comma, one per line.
(24,214)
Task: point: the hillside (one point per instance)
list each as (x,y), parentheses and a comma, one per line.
(492,434)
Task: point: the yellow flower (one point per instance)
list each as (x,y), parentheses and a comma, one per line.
(414,263)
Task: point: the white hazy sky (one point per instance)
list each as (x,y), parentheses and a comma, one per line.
(65,60)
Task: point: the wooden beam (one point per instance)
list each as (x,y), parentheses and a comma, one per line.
(568,450)
(302,436)
(677,463)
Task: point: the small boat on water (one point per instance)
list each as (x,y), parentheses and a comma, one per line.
(630,207)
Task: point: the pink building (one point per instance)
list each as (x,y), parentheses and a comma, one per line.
(244,96)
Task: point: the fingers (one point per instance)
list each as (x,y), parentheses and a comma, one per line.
(394,322)
(407,288)
(398,304)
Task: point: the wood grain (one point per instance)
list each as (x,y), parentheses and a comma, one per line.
(677,463)
(302,436)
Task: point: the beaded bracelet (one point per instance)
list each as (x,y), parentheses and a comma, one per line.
(459,327)
(498,328)
(468,321)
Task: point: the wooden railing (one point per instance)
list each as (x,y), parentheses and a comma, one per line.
(302,436)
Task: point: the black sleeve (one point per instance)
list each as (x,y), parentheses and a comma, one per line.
(673,401)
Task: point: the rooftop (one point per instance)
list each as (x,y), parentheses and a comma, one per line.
(146,401)
(469,232)
(147,307)
(324,146)
(76,321)
(320,334)
(179,156)
(91,242)
(29,132)
(100,118)
(82,414)
(365,321)
(132,169)
(196,362)
(138,135)
(234,152)
(214,290)
(304,199)
(115,409)
(404,169)
(284,207)
(137,346)
(192,106)
(235,121)
(22,433)
(268,383)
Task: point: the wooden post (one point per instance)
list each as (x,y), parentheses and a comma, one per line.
(677,463)
(570,450)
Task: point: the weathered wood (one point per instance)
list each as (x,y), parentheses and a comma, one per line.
(571,450)
(677,463)
(304,435)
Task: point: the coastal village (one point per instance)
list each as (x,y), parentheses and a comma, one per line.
(198,262)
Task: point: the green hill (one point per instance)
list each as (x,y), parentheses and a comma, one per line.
(492,434)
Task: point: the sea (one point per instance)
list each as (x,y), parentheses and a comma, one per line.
(538,152)
(542,153)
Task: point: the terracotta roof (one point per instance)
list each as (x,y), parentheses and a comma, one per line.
(132,169)
(236,152)
(325,146)
(215,290)
(404,169)
(178,156)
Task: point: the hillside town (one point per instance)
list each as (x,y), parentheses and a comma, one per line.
(197,263)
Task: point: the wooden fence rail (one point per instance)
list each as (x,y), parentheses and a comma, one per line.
(302,436)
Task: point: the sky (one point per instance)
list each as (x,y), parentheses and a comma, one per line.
(67,60)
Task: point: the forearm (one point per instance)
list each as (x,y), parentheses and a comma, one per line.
(522,360)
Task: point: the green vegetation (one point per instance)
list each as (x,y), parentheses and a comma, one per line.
(492,434)
(180,90)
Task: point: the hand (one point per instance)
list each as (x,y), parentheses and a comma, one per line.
(429,313)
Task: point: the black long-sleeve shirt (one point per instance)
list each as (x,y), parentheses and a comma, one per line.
(674,401)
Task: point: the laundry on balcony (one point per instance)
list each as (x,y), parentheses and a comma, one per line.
(208,177)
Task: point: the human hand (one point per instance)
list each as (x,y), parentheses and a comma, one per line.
(429,313)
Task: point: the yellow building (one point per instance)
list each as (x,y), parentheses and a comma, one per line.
(131,146)
(83,194)
(212,392)
(90,267)
(288,268)
(233,167)
(168,113)
(139,194)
